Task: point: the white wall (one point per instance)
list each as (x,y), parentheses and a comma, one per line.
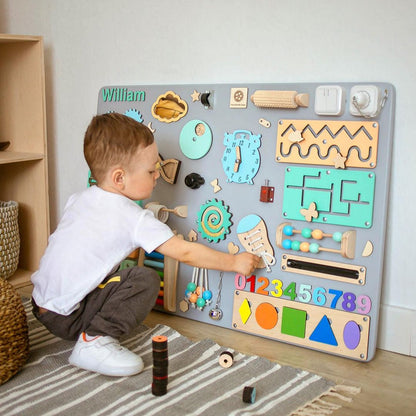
(99,42)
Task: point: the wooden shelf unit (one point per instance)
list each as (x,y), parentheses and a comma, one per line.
(23,165)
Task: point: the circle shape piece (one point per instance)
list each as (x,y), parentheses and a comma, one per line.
(266,315)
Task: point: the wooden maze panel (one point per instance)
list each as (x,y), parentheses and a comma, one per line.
(332,143)
(342,197)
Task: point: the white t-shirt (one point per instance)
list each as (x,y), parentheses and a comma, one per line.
(97,231)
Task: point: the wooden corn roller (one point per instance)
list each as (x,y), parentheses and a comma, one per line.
(279,99)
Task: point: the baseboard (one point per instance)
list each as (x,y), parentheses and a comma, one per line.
(397,330)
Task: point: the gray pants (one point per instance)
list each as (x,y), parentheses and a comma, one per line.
(114,308)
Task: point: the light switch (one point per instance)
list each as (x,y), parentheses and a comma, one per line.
(329,100)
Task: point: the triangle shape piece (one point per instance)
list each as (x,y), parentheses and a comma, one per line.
(323,333)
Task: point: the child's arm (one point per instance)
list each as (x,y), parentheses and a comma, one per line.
(199,255)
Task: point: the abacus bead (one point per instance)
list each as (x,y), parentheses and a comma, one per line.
(306,232)
(288,230)
(304,247)
(296,245)
(337,236)
(287,244)
(317,234)
(207,295)
(200,303)
(191,286)
(193,298)
(314,248)
(199,290)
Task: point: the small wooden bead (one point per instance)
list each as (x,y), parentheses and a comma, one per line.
(314,248)
(226,359)
(306,232)
(304,247)
(191,286)
(317,234)
(200,302)
(296,245)
(193,298)
(207,295)
(288,230)
(337,236)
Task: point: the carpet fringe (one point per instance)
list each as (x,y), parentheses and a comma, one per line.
(319,406)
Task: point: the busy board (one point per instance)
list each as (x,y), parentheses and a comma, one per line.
(295,173)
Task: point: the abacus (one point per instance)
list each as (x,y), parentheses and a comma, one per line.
(346,239)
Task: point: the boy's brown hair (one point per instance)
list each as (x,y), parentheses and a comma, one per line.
(112,139)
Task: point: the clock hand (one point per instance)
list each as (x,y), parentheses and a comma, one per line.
(237,158)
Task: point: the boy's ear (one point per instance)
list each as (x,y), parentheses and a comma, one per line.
(117,177)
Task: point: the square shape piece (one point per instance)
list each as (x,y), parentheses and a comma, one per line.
(293,322)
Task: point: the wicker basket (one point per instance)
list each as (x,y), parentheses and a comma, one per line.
(9,238)
(14,338)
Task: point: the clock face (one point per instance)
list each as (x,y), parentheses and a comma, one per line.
(241,158)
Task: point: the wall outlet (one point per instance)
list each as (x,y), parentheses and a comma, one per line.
(365,100)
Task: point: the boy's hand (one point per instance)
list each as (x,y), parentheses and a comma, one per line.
(246,263)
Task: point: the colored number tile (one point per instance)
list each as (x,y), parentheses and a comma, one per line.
(293,322)
(323,333)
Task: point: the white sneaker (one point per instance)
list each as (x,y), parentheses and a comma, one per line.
(105,355)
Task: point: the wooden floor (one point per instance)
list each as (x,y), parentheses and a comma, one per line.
(388,382)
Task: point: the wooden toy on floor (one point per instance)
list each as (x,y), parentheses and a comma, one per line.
(226,359)
(249,394)
(160,365)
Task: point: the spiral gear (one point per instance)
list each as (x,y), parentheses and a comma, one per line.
(214,220)
(134,114)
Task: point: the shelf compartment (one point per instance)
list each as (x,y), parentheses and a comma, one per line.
(15,157)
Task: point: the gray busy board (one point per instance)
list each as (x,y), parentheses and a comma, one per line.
(295,173)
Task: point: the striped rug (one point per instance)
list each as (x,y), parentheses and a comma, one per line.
(198,385)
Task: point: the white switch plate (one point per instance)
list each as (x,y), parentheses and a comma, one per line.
(329,100)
